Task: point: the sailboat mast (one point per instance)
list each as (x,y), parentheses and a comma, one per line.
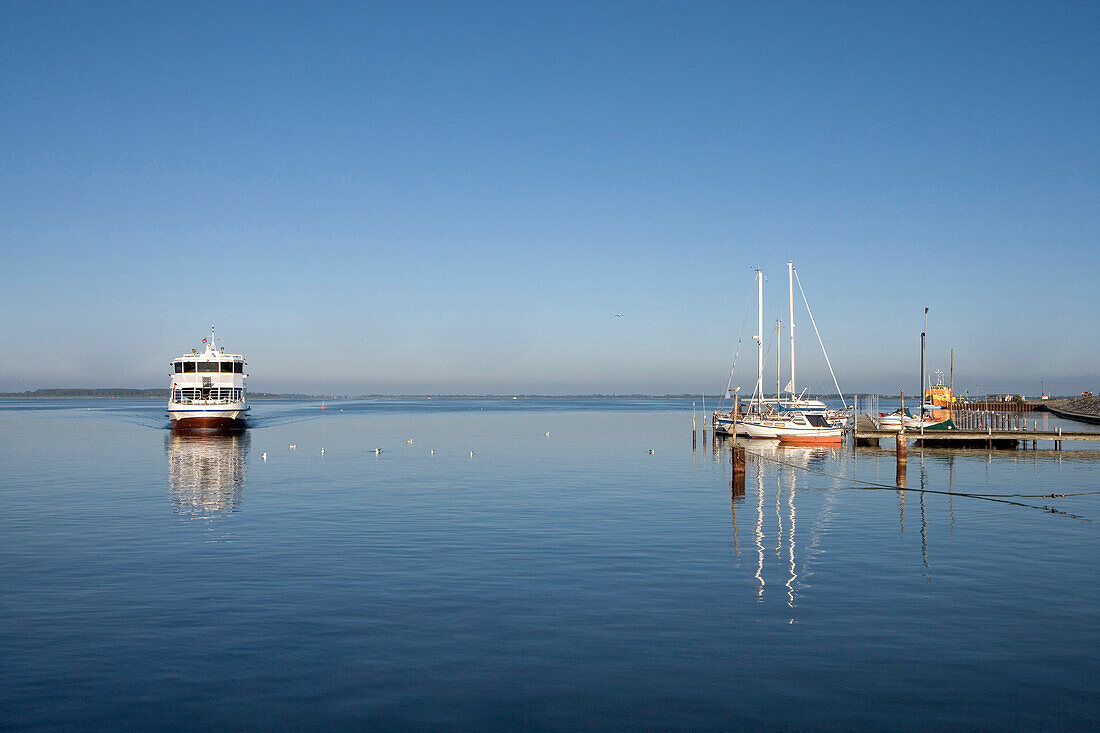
(790,308)
(759,332)
(778,358)
(922,339)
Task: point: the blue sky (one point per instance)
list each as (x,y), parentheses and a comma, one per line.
(455,197)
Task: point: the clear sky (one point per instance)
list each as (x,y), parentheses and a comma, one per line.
(455,197)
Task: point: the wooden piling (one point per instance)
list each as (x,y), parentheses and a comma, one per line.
(900,443)
(693,427)
(900,447)
(737,457)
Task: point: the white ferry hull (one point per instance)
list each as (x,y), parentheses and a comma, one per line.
(209,419)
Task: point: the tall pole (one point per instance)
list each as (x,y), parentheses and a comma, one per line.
(922,335)
(759,332)
(778,358)
(951,381)
(790,309)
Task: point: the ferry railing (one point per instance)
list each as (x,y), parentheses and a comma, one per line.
(218,401)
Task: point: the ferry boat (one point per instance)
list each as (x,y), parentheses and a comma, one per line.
(208,391)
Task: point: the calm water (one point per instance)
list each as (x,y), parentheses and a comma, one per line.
(569,581)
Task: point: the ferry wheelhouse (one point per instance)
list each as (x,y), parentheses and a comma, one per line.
(208,391)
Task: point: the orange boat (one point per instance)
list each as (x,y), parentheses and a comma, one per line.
(825,438)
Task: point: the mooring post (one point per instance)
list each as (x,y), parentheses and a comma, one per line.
(899,449)
(704,399)
(738,457)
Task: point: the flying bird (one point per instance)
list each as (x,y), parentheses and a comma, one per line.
(619,315)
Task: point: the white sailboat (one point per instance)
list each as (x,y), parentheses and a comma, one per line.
(791,420)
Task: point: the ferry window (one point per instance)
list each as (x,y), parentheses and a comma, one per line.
(226,367)
(179,367)
(208,366)
(238,367)
(188,366)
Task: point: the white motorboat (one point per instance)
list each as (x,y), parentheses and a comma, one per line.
(793,426)
(933,420)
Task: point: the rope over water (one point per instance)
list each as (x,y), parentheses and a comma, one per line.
(997,498)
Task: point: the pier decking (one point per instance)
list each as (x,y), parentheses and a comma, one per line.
(867,432)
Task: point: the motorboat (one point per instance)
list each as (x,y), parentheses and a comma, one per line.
(934,419)
(794,427)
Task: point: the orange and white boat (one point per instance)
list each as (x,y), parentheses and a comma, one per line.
(939,394)
(808,429)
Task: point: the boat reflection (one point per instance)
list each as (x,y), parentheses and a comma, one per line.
(772,480)
(206,472)
(771,461)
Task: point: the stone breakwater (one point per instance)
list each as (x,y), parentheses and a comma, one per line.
(1077,405)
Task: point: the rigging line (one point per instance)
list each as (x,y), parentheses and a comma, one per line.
(819,341)
(1046,496)
(737,350)
(874,486)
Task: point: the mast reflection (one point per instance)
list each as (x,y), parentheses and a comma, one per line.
(206,472)
(786,461)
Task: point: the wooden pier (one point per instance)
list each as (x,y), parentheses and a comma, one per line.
(867,433)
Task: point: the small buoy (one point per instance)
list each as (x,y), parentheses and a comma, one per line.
(263,456)
(292,446)
(650,451)
(322,404)
(377,451)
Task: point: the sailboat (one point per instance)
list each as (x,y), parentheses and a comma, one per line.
(794,420)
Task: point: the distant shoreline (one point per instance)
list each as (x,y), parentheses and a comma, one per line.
(162,394)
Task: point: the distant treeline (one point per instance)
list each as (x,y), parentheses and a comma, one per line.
(117,392)
(122,393)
